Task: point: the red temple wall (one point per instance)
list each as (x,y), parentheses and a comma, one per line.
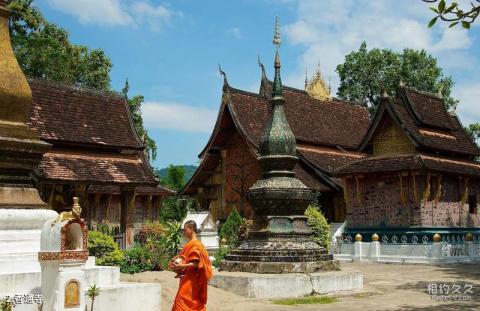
(242,171)
(377,202)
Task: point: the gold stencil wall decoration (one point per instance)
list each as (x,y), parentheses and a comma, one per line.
(390,139)
(426,193)
(345,192)
(359,193)
(438,194)
(403,197)
(414,182)
(72,294)
(465,193)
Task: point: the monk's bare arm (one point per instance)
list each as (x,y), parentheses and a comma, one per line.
(191,264)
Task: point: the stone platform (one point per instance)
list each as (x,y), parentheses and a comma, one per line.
(114,295)
(273,286)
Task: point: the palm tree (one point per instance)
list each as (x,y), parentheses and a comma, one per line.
(93,291)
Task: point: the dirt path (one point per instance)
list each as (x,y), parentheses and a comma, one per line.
(386,287)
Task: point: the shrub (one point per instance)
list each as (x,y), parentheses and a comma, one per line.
(151,231)
(231,228)
(319,226)
(136,259)
(104,249)
(222,251)
(161,240)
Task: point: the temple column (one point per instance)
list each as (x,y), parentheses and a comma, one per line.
(127,210)
(223,205)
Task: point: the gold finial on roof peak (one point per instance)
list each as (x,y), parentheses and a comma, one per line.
(317,87)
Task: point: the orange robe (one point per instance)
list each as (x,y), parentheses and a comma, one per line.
(192,292)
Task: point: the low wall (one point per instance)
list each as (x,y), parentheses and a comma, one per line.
(432,253)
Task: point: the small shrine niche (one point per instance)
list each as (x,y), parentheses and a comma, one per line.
(73,237)
(62,256)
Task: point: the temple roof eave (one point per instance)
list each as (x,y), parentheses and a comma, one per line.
(410,162)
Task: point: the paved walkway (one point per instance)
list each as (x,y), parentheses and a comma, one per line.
(387,287)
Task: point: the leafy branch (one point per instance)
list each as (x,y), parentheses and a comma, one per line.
(454,13)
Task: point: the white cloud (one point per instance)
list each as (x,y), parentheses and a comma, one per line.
(116,12)
(106,12)
(237,33)
(468,93)
(156,17)
(330,29)
(179,117)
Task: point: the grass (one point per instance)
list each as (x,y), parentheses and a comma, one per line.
(310,300)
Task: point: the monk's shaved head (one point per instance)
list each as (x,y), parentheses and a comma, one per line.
(191,225)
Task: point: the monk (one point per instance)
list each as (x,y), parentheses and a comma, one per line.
(197,270)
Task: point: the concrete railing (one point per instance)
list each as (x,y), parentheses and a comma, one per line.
(437,252)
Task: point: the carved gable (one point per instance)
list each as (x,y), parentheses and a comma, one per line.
(389,138)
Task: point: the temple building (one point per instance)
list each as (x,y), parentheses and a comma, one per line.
(327,131)
(420,171)
(96,156)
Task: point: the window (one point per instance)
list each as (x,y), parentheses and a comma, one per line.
(472,204)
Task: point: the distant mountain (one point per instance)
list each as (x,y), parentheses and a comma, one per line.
(189,170)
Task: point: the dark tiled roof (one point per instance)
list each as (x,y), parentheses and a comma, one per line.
(453,140)
(382,164)
(428,109)
(309,178)
(142,190)
(328,159)
(69,114)
(95,168)
(426,122)
(392,163)
(333,123)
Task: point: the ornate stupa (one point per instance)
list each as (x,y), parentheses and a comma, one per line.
(22,212)
(20,148)
(317,87)
(280,240)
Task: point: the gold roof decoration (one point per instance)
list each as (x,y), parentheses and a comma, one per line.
(15,92)
(317,87)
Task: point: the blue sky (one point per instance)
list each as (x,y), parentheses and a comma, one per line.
(170,51)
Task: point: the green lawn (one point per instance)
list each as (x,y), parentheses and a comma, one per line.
(306,300)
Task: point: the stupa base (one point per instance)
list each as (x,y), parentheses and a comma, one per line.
(276,286)
(280,267)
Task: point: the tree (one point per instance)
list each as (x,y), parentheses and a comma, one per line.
(454,13)
(473,130)
(175,177)
(44,50)
(175,207)
(135,106)
(367,74)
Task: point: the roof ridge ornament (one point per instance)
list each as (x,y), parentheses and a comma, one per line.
(225,82)
(264,75)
